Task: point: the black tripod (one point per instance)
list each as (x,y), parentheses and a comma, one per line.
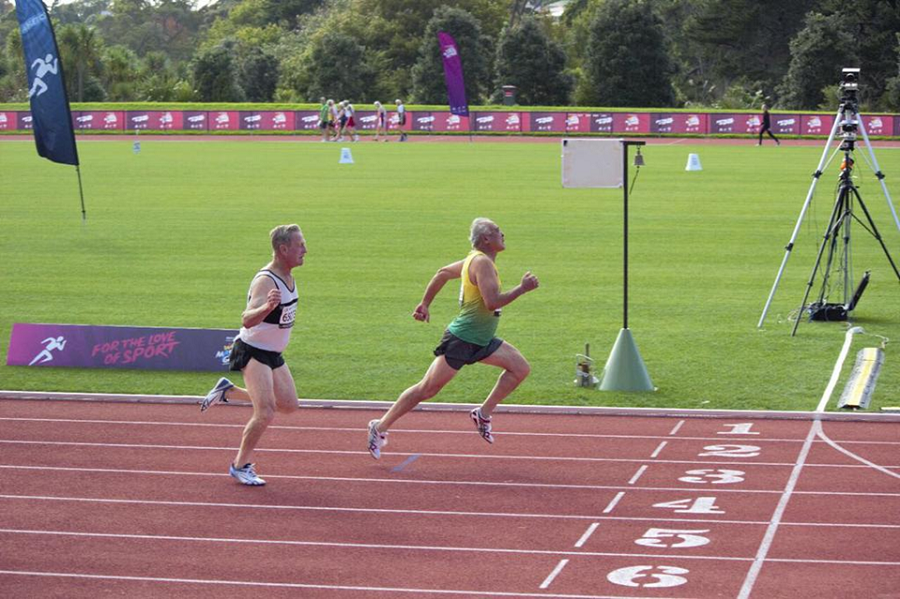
(838,231)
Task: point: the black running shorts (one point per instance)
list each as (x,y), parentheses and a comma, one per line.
(241,354)
(458,353)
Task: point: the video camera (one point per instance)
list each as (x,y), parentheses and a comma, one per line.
(850,106)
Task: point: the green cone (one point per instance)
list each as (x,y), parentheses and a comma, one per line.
(625,370)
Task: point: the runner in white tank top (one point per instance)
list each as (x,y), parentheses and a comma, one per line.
(266,328)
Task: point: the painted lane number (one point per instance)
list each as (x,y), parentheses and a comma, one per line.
(700,505)
(729,451)
(660,537)
(715,477)
(648,577)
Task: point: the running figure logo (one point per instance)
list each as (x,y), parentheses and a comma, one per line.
(46,355)
(44,66)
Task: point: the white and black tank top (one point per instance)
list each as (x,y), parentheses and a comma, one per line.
(274,332)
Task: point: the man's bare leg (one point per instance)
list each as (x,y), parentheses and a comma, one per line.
(515,370)
(436,377)
(260,387)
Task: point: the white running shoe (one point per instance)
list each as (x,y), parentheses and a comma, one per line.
(376,440)
(482,424)
(246,475)
(216,395)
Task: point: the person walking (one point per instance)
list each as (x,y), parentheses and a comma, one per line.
(470,337)
(766,126)
(266,325)
(380,120)
(401,118)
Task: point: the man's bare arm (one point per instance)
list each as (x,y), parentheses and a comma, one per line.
(264,297)
(489,285)
(437,282)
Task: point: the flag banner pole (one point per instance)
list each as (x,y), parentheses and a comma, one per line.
(453,76)
(50,112)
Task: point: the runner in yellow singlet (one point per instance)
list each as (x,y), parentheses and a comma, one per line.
(470,337)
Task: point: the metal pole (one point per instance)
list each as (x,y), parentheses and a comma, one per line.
(625,234)
(81,193)
(812,188)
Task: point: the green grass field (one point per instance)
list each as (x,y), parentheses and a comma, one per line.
(175,233)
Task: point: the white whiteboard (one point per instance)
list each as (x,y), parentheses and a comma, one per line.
(592,163)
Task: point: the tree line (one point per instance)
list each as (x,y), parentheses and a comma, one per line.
(610,53)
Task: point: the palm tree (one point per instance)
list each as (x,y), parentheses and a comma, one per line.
(81,48)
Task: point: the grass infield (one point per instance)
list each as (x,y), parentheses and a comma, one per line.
(175,233)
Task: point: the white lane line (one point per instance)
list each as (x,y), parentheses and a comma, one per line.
(766,544)
(677,426)
(297,585)
(615,500)
(587,534)
(338,509)
(637,474)
(656,451)
(814,430)
(540,458)
(559,568)
(381,547)
(475,483)
(355,430)
(852,455)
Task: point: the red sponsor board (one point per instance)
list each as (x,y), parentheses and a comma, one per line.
(510,122)
(278,120)
(154,120)
(223,120)
(102,120)
(578,122)
(306,120)
(8,121)
(552,122)
(631,122)
(689,123)
(878,124)
(816,124)
(366,120)
(446,121)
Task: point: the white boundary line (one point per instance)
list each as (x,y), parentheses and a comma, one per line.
(345,452)
(355,430)
(559,568)
(297,585)
(418,481)
(458,407)
(456,549)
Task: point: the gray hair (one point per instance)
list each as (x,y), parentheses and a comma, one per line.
(281,235)
(480,226)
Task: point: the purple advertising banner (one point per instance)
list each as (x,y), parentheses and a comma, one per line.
(422,121)
(366,120)
(602,122)
(143,348)
(453,75)
(722,123)
(784,124)
(662,123)
(551,122)
(305,120)
(195,120)
(25,121)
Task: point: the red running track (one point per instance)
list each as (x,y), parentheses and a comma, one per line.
(100,499)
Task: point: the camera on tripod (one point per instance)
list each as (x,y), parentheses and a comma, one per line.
(850,106)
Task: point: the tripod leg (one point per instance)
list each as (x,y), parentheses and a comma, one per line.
(790,246)
(875,232)
(878,173)
(834,224)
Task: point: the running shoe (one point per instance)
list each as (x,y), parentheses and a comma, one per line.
(216,395)
(376,440)
(482,424)
(246,475)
